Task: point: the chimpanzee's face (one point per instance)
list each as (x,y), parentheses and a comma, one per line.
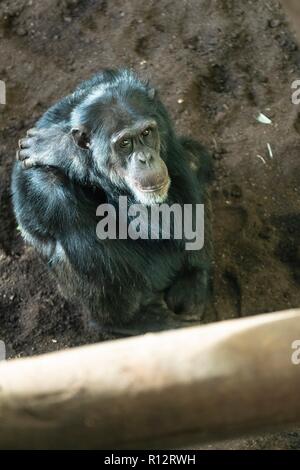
(135,159)
(126,147)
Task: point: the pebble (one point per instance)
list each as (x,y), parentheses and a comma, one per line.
(274,23)
(236,191)
(21,32)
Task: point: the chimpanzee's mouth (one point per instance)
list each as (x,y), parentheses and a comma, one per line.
(155,189)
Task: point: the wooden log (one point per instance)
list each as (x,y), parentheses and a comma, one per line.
(160,390)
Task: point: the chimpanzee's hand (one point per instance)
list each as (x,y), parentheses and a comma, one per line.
(50,146)
(31,151)
(188,294)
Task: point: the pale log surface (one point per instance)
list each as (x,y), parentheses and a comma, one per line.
(159,390)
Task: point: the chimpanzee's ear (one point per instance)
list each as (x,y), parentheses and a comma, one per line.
(81,137)
(151,93)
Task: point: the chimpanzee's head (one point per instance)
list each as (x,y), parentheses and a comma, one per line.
(126,129)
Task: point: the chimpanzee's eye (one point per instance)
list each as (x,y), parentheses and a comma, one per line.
(124,143)
(146,132)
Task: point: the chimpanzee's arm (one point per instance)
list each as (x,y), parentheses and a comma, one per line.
(44,200)
(51,143)
(54,212)
(49,207)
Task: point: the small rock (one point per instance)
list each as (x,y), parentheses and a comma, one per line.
(220,116)
(21,31)
(236,191)
(265,233)
(19,125)
(219,154)
(274,23)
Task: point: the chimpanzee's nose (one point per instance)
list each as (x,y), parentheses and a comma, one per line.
(143,158)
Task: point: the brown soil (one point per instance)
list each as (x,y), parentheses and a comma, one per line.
(217,64)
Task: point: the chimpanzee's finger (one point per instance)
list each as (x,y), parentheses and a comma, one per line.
(22,155)
(27,163)
(24,143)
(32,132)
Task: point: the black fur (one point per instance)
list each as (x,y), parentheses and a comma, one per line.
(55,204)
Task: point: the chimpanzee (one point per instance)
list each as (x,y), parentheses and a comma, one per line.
(112,137)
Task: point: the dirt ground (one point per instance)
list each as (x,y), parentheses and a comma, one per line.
(217,64)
